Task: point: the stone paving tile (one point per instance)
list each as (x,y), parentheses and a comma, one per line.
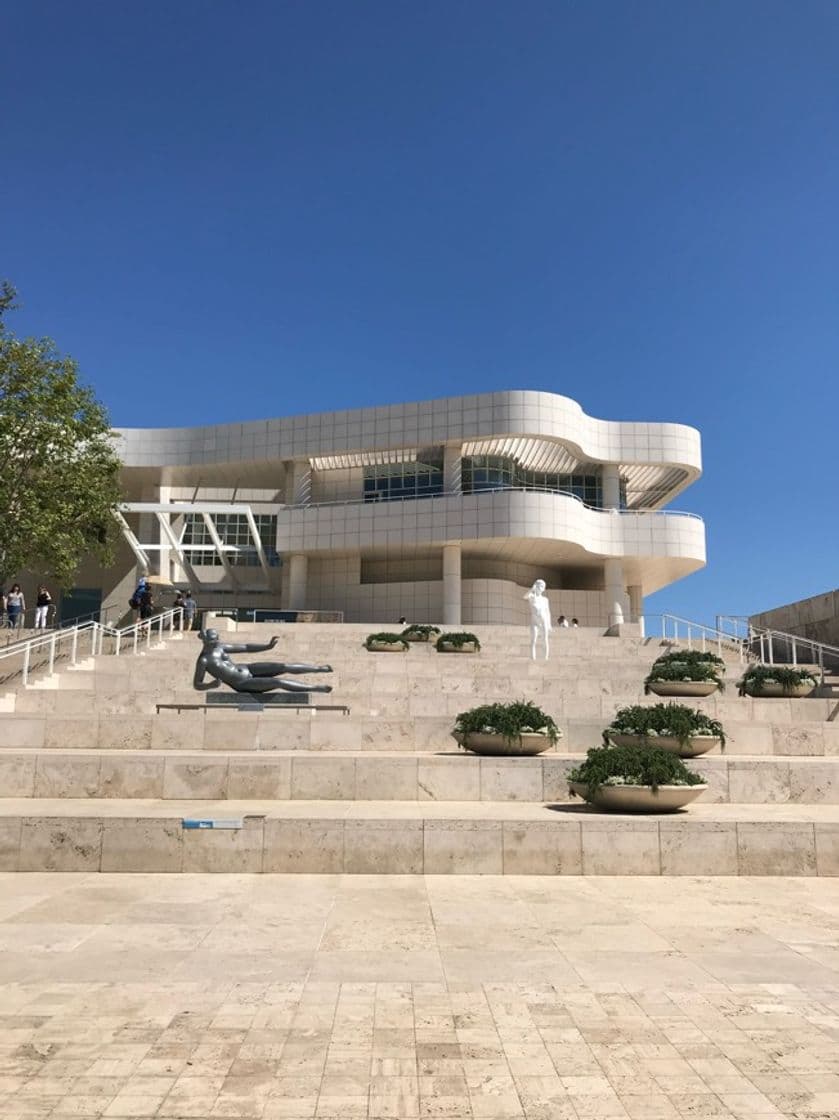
(410,998)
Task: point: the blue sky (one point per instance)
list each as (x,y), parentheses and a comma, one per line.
(231,211)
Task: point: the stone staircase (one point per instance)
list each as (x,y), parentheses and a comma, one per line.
(92,777)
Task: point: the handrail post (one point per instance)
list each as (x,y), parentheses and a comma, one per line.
(794,653)
(26,652)
(135,637)
(771,649)
(74,646)
(52,653)
(118,643)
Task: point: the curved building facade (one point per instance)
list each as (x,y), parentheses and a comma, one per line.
(441,511)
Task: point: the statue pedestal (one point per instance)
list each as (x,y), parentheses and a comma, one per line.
(256,701)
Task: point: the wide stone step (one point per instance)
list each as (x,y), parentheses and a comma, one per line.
(469,838)
(307,729)
(345,776)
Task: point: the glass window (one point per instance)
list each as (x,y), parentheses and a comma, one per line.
(388,481)
(495,472)
(234,533)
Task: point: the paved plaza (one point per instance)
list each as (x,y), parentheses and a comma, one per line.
(201,996)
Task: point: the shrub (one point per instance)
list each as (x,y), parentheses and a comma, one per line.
(683,671)
(420,630)
(756,676)
(690,657)
(385,639)
(678,720)
(632,766)
(458,639)
(510,720)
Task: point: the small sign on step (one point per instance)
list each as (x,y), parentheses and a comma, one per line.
(213,822)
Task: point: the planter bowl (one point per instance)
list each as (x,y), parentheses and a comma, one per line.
(417,637)
(771,690)
(682,688)
(639,799)
(386,647)
(467,647)
(479,742)
(695,745)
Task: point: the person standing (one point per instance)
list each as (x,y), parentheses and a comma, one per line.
(15,607)
(190,607)
(146,603)
(42,608)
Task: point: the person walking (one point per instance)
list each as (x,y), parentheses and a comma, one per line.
(42,608)
(15,607)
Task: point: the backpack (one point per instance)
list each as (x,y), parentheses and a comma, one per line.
(132,602)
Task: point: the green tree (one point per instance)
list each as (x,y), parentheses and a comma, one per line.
(60,478)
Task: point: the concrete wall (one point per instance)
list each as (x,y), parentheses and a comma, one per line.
(816,618)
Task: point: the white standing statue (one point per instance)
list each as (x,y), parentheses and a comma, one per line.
(540,617)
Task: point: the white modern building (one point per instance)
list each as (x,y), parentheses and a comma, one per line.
(441,511)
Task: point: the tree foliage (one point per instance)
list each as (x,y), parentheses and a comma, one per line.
(60,478)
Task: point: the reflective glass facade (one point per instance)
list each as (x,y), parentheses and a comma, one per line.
(402,480)
(496,472)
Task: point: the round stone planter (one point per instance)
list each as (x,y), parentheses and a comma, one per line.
(417,637)
(772,690)
(695,745)
(483,743)
(682,688)
(639,799)
(467,647)
(386,647)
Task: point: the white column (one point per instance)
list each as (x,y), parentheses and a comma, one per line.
(611,486)
(164,496)
(636,605)
(298,570)
(452,468)
(451,584)
(615,593)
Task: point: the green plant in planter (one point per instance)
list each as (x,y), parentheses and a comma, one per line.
(510,720)
(385,639)
(756,676)
(676,720)
(683,671)
(690,657)
(632,766)
(419,632)
(458,639)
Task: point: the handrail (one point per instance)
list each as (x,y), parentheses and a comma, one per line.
(677,629)
(780,648)
(770,647)
(489,490)
(68,642)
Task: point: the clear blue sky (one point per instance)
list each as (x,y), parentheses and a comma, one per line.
(231,211)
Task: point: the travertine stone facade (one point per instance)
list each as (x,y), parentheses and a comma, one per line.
(439,510)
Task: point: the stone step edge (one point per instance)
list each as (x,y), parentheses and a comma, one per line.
(539,842)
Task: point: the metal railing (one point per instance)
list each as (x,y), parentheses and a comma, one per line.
(734,633)
(361,501)
(695,635)
(775,647)
(86,640)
